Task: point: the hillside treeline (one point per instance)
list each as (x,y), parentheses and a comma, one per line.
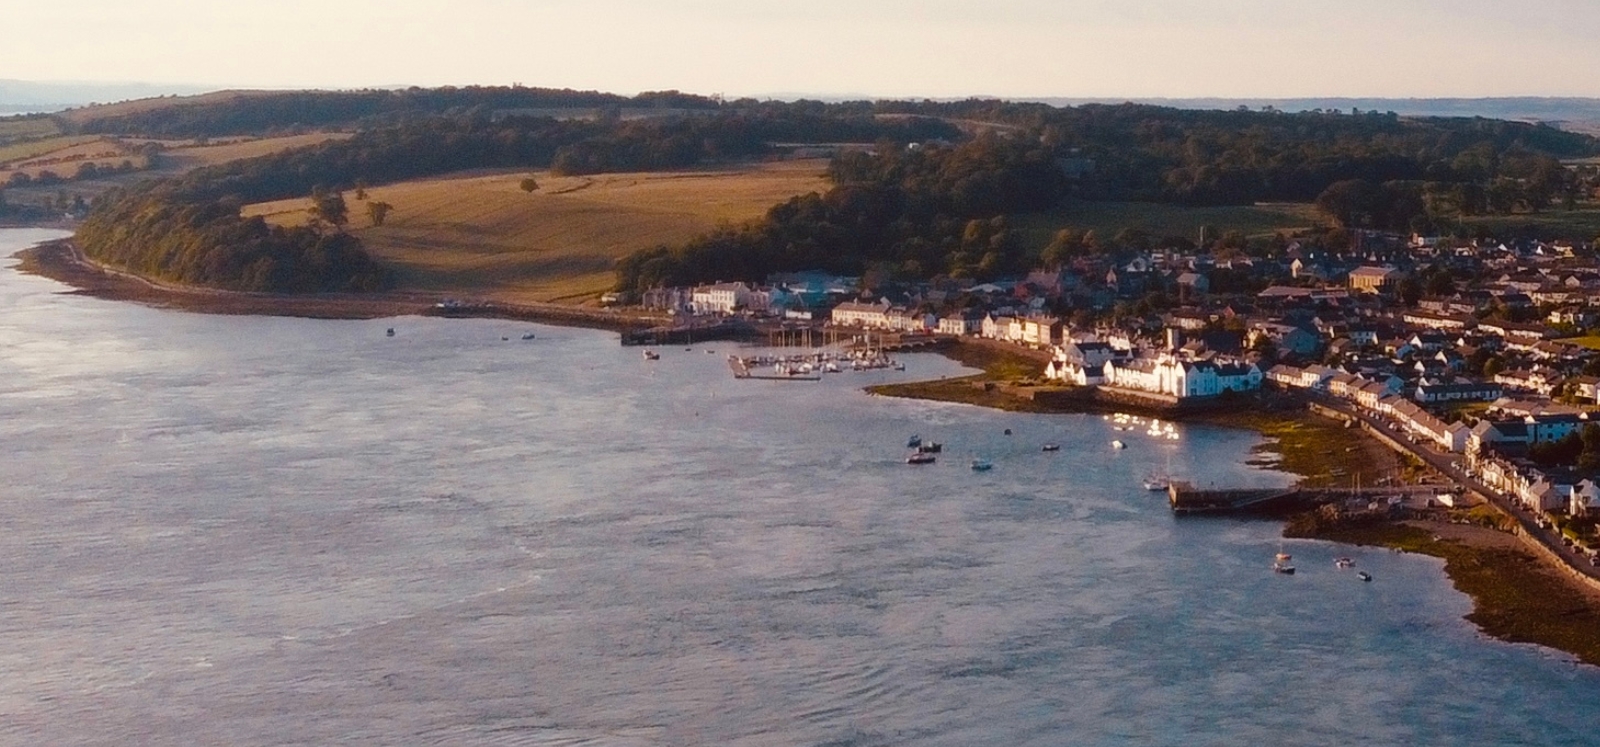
(923,213)
(260,112)
(902,212)
(1149,153)
(189,228)
(208,244)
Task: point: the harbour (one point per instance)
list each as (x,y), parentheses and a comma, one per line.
(331,535)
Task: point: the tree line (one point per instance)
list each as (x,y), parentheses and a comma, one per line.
(189,228)
(908,211)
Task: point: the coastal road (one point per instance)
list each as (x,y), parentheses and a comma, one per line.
(1454,467)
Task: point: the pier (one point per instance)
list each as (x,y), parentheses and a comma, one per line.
(741,370)
(1187,499)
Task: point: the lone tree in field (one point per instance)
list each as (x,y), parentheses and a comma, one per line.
(378,211)
(361,189)
(529,185)
(329,207)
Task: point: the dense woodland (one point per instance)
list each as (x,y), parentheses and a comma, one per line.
(929,195)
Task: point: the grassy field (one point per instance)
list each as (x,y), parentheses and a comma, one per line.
(1591,342)
(182,155)
(1107,218)
(31,149)
(480,235)
(33,127)
(1582,223)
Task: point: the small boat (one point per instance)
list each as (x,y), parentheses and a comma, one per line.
(1118,445)
(899,366)
(1343,562)
(913,442)
(1050,447)
(920,457)
(651,355)
(1285,569)
(981,465)
(390,333)
(1155,483)
(931,447)
(1363,575)
(528,336)
(1008,431)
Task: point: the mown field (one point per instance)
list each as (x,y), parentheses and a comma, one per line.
(63,155)
(482,236)
(1582,223)
(1107,218)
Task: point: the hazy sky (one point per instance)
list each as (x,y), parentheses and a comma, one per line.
(1133,48)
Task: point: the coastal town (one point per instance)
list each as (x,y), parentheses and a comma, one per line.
(1475,354)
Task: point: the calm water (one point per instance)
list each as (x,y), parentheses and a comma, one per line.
(243,530)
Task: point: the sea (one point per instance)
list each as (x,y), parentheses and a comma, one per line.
(246,530)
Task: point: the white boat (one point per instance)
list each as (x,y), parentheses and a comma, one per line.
(921,457)
(651,355)
(1155,483)
(1287,570)
(981,465)
(1118,445)
(1050,447)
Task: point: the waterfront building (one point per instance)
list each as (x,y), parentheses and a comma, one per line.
(857,314)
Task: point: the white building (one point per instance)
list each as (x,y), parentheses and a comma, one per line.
(856,314)
(722,298)
(1183,379)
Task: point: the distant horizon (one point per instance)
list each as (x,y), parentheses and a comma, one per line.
(81,94)
(40,96)
(896,49)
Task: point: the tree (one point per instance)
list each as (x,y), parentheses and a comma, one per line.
(361,189)
(529,185)
(329,207)
(1492,367)
(378,211)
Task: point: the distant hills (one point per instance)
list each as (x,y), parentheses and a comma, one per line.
(1522,108)
(26,96)
(22,96)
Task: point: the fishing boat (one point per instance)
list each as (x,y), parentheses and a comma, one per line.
(651,355)
(390,333)
(920,457)
(528,336)
(913,442)
(1363,575)
(1155,483)
(1118,445)
(1284,568)
(1050,447)
(930,447)
(1343,563)
(981,465)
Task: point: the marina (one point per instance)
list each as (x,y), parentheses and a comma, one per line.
(332,537)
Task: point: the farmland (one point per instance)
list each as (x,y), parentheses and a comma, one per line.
(481,235)
(1107,218)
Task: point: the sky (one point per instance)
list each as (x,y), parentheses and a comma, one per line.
(875,48)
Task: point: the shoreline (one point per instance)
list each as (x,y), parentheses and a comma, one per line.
(1516,596)
(60,260)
